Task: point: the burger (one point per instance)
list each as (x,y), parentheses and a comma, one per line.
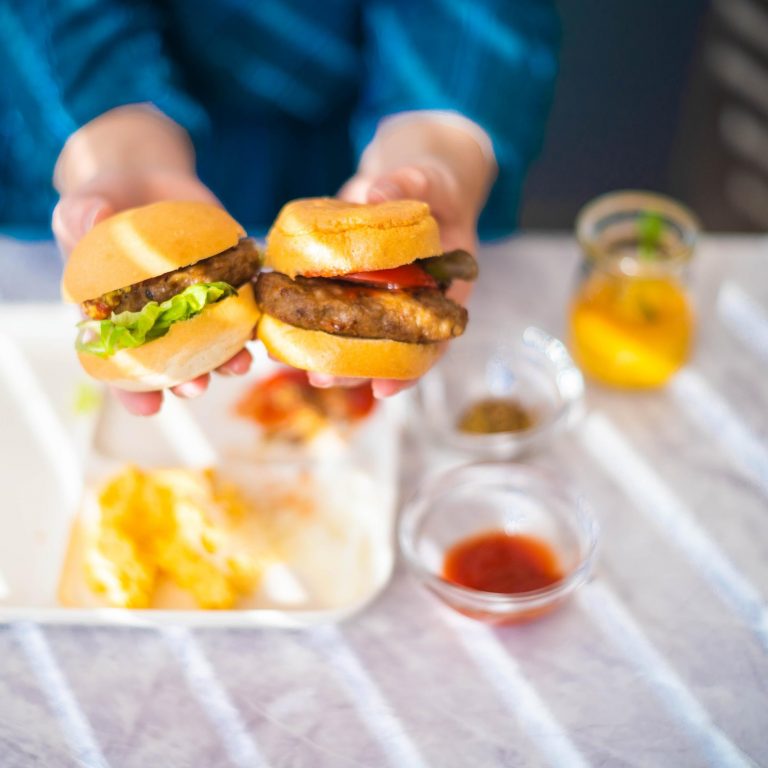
(166,291)
(359,290)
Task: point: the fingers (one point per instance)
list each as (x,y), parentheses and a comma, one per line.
(140,403)
(410,181)
(433,183)
(149,403)
(324,381)
(108,193)
(74,215)
(238,365)
(383,388)
(355,190)
(407,182)
(173,186)
(437,186)
(193,388)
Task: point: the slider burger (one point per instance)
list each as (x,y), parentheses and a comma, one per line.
(167,294)
(359,290)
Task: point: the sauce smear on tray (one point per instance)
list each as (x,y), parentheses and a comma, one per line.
(496,561)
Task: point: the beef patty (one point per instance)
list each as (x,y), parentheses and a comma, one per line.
(234,266)
(418,315)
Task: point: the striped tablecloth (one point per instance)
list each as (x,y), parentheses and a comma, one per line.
(662,660)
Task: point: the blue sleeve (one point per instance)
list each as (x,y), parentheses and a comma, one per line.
(493,61)
(72,60)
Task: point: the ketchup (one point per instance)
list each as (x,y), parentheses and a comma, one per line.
(496,561)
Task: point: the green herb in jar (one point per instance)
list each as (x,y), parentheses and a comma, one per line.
(650,227)
(495,414)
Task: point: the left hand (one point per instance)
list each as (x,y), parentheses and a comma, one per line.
(132,155)
(80,209)
(433,182)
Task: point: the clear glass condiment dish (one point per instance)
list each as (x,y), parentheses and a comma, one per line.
(535,370)
(498,496)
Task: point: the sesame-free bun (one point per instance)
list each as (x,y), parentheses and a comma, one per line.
(189,349)
(343,355)
(145,242)
(324,236)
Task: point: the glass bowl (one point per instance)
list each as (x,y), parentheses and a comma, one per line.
(535,370)
(473,499)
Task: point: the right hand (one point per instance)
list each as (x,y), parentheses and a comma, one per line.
(87,200)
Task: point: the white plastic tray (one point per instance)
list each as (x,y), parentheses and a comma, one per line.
(50,456)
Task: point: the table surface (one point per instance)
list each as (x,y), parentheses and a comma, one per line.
(661,660)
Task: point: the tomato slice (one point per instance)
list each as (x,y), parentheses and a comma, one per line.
(407,276)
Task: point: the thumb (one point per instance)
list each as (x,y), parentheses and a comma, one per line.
(408,182)
(434,184)
(437,186)
(74,215)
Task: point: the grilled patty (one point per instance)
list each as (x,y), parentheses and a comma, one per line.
(419,315)
(235,266)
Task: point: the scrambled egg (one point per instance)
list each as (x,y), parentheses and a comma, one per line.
(174,523)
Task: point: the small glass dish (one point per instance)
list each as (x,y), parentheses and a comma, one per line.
(474,499)
(534,370)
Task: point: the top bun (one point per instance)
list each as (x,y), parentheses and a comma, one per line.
(325,237)
(145,242)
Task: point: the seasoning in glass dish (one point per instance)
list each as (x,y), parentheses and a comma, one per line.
(500,397)
(495,414)
(631,317)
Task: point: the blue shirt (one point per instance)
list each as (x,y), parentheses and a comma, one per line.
(280,96)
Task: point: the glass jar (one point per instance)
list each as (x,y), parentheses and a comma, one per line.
(631,317)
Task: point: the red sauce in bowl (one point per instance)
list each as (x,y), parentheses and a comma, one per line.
(508,564)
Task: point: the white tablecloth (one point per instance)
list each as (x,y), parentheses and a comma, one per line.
(662,660)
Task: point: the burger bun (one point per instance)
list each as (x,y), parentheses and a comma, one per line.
(323,237)
(141,243)
(345,356)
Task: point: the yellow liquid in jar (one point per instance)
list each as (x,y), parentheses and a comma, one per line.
(631,331)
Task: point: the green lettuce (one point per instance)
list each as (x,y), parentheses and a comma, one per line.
(128,330)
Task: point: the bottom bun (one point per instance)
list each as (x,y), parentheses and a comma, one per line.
(345,356)
(190,349)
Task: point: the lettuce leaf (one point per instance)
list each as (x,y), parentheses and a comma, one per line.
(128,330)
